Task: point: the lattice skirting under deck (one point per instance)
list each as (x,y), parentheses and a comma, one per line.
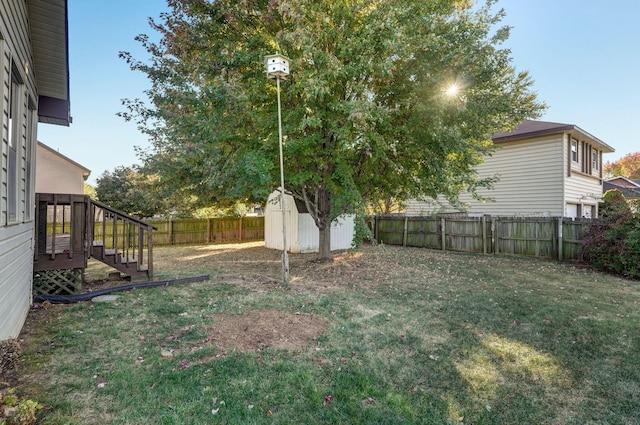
(58,282)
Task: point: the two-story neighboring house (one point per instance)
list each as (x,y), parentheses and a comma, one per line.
(35,88)
(56,173)
(544,169)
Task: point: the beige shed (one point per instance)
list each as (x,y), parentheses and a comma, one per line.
(303,235)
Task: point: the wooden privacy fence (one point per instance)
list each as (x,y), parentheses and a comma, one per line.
(208,230)
(551,237)
(201,231)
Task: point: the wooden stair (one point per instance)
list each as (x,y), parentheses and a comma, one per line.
(121,241)
(71,228)
(111,257)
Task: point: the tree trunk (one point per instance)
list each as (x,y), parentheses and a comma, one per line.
(324,225)
(324,251)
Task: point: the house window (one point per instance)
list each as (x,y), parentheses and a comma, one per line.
(574,150)
(15,97)
(594,159)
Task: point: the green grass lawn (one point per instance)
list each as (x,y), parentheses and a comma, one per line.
(385,335)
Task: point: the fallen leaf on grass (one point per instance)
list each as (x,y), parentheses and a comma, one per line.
(327,399)
(369,401)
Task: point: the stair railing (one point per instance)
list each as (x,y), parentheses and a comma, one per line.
(128,238)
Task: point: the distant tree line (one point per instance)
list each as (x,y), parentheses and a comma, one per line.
(131,190)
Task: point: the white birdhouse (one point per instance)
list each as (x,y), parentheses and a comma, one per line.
(277,66)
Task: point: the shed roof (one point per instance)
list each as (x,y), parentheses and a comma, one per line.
(530,128)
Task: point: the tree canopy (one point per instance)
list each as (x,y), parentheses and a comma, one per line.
(132,192)
(366,113)
(628,166)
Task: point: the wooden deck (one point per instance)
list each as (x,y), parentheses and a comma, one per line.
(62,244)
(71,228)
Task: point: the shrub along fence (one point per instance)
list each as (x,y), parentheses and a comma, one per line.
(551,237)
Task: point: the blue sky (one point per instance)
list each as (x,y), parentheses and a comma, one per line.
(584,56)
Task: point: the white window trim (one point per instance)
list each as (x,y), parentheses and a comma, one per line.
(575,157)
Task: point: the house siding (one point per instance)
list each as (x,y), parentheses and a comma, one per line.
(16,271)
(536,192)
(56,174)
(16,235)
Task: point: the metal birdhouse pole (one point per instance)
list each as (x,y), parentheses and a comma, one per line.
(278,68)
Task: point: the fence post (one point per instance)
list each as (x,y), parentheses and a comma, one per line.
(376,230)
(372,224)
(404,231)
(442,235)
(484,234)
(494,236)
(241,229)
(560,239)
(170,231)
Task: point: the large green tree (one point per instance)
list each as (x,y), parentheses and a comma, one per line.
(128,190)
(365,110)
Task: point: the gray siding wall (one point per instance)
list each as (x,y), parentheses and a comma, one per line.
(16,236)
(16,271)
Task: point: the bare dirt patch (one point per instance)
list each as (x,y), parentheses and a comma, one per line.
(267,328)
(258,269)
